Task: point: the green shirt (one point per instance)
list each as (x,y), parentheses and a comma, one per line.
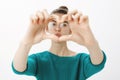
(48,66)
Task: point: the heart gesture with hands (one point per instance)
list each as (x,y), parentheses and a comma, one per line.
(78,23)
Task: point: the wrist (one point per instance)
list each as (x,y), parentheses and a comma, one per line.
(92,45)
(26,43)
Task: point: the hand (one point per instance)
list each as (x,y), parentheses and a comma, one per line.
(37,28)
(81,32)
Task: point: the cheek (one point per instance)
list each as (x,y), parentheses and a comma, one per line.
(66,31)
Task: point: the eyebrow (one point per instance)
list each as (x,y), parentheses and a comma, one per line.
(66,22)
(53,20)
(56,21)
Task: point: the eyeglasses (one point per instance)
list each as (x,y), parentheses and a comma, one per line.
(53,24)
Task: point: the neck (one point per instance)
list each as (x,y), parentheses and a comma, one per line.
(59,48)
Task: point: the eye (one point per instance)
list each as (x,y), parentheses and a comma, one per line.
(63,24)
(51,24)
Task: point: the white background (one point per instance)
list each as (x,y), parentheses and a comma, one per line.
(104,16)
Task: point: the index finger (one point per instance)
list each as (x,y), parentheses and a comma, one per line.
(71,13)
(46,15)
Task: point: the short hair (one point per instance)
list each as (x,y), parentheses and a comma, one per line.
(61,10)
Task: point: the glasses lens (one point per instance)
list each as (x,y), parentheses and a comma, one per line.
(51,24)
(63,25)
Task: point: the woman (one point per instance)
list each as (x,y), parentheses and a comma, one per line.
(59,63)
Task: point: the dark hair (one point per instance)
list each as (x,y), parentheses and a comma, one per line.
(61,10)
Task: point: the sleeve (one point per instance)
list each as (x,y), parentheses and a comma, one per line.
(89,68)
(31,66)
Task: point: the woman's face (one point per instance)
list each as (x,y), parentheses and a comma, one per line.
(58,25)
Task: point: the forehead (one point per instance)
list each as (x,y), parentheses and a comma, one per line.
(57,17)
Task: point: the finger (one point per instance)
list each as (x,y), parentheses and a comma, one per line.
(70,17)
(34,19)
(51,36)
(76,18)
(65,38)
(40,15)
(46,15)
(84,19)
(71,13)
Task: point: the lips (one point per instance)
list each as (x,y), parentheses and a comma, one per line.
(58,34)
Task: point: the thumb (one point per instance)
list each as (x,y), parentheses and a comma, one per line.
(65,38)
(51,36)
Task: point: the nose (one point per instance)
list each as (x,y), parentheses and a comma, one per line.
(58,29)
